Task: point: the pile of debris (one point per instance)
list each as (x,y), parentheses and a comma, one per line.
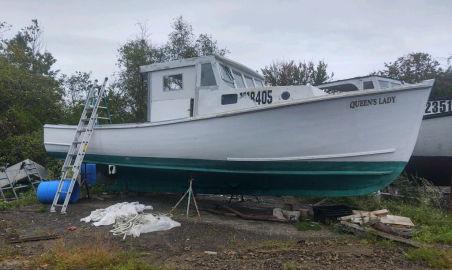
(380,223)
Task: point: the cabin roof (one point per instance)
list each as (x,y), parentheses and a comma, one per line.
(200,59)
(360,78)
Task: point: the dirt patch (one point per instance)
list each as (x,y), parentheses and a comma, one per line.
(231,243)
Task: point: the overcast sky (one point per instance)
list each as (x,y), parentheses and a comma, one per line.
(353,37)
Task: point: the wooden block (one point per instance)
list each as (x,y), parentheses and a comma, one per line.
(397,220)
(380,213)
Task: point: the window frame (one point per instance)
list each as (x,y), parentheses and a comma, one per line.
(251,79)
(213,74)
(172,75)
(240,75)
(371,82)
(222,66)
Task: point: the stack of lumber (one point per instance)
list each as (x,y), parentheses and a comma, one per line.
(379,220)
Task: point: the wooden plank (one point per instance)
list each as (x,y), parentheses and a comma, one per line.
(384,235)
(397,220)
(380,213)
(34,238)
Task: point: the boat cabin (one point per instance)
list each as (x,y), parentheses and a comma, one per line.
(185,88)
(360,83)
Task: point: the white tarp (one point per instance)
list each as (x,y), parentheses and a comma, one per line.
(129,219)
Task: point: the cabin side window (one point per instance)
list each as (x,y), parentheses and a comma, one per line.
(207,75)
(249,82)
(228,99)
(226,75)
(172,82)
(238,79)
(368,85)
(383,84)
(346,87)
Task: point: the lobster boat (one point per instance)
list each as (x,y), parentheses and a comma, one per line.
(213,119)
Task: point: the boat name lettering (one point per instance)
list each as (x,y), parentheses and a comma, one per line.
(260,97)
(372,101)
(438,106)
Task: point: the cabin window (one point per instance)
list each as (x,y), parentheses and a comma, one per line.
(259,83)
(368,85)
(395,84)
(346,87)
(383,84)
(249,82)
(238,79)
(172,82)
(207,76)
(228,99)
(226,75)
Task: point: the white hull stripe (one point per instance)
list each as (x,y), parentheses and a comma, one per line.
(355,154)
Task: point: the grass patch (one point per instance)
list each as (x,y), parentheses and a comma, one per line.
(431,257)
(289,266)
(433,225)
(307,225)
(97,255)
(26,198)
(6,252)
(419,200)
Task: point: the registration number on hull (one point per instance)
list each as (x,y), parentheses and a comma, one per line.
(438,106)
(260,97)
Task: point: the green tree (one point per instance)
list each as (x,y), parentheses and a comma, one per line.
(182,43)
(418,66)
(30,95)
(129,96)
(412,68)
(292,73)
(131,55)
(25,49)
(76,88)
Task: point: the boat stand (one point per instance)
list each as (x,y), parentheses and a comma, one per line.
(190,194)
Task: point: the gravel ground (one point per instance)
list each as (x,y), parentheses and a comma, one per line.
(236,243)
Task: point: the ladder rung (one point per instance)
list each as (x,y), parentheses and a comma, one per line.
(84,129)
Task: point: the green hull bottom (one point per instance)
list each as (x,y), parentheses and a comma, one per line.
(297,178)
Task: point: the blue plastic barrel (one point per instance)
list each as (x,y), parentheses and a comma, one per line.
(47,190)
(88,172)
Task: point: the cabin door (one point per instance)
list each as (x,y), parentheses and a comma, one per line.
(172,94)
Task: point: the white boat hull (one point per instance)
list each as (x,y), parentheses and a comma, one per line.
(335,132)
(432,155)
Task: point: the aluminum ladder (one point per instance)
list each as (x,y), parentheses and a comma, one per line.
(77,150)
